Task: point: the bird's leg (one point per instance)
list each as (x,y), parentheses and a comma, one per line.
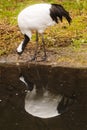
(35,53)
(45,56)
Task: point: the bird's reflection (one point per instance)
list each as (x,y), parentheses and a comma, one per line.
(46,104)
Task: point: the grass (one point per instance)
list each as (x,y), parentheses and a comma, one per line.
(74,35)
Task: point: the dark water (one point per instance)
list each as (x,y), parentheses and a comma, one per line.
(59,80)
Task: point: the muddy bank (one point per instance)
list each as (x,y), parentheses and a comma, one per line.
(63,57)
(59,80)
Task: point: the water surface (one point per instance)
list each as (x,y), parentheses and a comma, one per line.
(59,81)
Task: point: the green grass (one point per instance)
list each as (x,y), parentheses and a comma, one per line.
(76,32)
(9,9)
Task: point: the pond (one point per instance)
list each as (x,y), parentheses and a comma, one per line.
(15,112)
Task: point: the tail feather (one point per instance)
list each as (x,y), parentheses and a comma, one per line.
(58,11)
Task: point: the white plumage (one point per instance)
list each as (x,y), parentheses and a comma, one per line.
(38,17)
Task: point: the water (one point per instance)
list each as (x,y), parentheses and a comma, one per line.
(58,80)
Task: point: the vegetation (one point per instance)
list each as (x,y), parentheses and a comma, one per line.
(61,35)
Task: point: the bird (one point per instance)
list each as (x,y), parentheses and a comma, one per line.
(38,17)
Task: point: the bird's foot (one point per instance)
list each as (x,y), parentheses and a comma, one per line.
(44,58)
(33,58)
